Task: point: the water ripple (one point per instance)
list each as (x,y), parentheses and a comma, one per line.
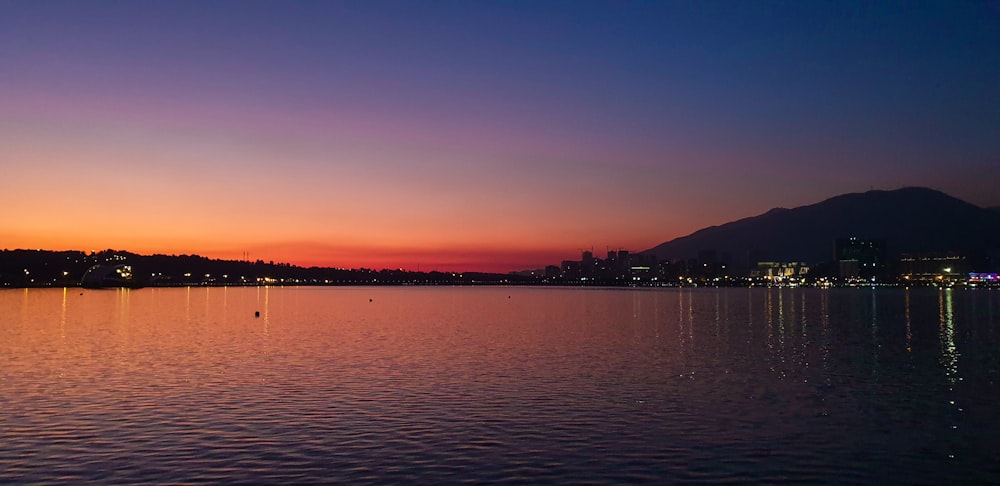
(576,386)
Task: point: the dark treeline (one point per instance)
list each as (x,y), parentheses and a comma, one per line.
(42,268)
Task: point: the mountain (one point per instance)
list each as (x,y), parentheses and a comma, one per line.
(912,219)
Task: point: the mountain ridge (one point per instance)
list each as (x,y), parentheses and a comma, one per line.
(910,219)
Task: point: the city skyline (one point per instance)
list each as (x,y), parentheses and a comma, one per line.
(474,136)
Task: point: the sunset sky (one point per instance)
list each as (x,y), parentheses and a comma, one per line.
(456,135)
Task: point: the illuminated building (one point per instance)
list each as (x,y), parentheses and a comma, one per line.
(860,258)
(934,266)
(781,272)
(106,275)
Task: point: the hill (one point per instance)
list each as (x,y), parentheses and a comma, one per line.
(42,268)
(911,219)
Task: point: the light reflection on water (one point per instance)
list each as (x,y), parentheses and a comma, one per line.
(499,384)
(949,353)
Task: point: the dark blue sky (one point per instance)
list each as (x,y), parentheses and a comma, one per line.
(619,123)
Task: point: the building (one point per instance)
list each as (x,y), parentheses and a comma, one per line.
(860,258)
(781,272)
(934,266)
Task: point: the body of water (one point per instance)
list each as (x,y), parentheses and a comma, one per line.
(492,384)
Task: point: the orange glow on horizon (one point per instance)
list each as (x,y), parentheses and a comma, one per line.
(464,258)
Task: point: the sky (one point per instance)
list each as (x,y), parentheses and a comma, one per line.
(465,135)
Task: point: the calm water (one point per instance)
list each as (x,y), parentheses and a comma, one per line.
(499,384)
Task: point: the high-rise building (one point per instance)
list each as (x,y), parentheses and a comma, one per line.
(860,258)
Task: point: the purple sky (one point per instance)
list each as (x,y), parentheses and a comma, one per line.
(475,135)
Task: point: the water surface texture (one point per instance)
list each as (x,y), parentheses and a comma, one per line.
(428,384)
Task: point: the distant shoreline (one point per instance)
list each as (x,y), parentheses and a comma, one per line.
(112,268)
(956,285)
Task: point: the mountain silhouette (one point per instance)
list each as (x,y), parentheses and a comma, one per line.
(912,219)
